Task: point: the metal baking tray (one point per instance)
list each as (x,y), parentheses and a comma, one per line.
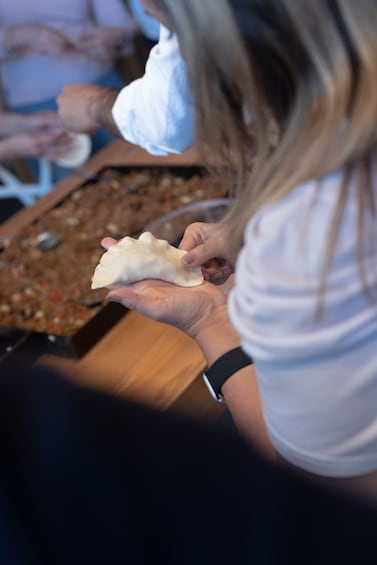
(15,342)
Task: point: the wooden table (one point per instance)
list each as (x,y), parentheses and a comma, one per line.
(138,358)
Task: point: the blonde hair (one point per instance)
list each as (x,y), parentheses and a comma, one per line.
(311,66)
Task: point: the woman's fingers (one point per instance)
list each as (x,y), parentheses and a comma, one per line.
(184,308)
(201,254)
(203,242)
(217,270)
(107,242)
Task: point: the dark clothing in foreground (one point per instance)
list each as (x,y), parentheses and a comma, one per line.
(91,479)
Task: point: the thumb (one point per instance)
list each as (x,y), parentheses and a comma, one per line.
(147,305)
(126,297)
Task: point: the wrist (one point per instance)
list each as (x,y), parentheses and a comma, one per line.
(218,374)
(217,335)
(100,108)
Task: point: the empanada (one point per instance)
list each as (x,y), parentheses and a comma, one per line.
(132,260)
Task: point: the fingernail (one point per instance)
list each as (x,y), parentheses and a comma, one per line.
(188,259)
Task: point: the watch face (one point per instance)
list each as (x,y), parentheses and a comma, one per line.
(218,397)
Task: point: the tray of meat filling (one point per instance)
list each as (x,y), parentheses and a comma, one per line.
(46,301)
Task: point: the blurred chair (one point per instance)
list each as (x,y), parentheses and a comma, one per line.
(27,192)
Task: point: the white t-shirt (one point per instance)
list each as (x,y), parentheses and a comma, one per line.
(157,111)
(317,378)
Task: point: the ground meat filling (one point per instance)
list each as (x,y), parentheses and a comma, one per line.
(49,291)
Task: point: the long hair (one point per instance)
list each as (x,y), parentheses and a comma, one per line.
(308,67)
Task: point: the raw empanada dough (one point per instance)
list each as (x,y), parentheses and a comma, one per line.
(79,153)
(132,260)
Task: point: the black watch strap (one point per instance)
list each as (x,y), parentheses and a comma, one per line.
(223,368)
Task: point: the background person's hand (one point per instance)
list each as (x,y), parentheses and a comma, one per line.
(61,146)
(36,38)
(47,120)
(15,122)
(38,143)
(206,246)
(80,106)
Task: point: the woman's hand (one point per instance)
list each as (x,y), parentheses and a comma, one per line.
(193,310)
(206,245)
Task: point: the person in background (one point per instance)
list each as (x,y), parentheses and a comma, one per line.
(292,349)
(35,135)
(156,111)
(46,44)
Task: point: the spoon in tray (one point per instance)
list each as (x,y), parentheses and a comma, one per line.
(44,240)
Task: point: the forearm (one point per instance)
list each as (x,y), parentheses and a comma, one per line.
(217,338)
(8,149)
(100,109)
(241,394)
(11,123)
(240,391)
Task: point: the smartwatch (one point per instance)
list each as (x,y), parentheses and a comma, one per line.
(223,368)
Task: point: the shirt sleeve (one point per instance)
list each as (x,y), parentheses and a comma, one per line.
(157,110)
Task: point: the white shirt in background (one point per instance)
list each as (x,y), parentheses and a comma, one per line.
(157,111)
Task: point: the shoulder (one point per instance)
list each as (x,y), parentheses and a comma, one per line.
(290,235)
